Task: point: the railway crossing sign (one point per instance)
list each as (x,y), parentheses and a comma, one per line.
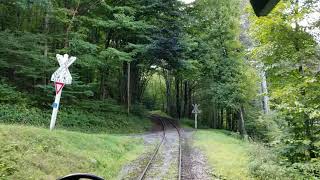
(58,86)
(62,74)
(196,111)
(60,77)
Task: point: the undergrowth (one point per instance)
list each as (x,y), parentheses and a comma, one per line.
(94,117)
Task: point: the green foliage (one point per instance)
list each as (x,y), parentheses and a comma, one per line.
(264,164)
(92,117)
(309,170)
(178,55)
(22,115)
(102,35)
(9,94)
(223,79)
(293,75)
(264,127)
(154,96)
(187,123)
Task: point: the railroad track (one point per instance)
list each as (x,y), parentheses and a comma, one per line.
(164,123)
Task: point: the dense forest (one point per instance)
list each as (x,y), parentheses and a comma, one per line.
(258,76)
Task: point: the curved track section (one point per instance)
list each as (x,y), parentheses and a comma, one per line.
(165,123)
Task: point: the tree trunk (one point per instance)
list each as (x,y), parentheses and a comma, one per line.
(162,97)
(75,11)
(229,119)
(177,81)
(46,49)
(215,117)
(46,29)
(123,83)
(128,88)
(102,86)
(264,90)
(181,98)
(185,102)
(218,118)
(221,118)
(189,101)
(235,121)
(168,91)
(241,126)
(104,74)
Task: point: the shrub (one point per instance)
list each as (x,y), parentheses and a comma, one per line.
(139,110)
(9,94)
(88,119)
(310,170)
(263,127)
(22,115)
(107,105)
(267,164)
(187,122)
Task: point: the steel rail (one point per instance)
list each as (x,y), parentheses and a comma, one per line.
(143,174)
(154,153)
(180,150)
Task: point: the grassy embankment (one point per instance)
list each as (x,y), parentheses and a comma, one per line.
(36,153)
(234,158)
(228,155)
(89,137)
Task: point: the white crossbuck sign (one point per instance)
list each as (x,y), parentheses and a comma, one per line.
(196,111)
(60,77)
(62,74)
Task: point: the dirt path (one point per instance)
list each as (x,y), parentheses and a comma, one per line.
(165,165)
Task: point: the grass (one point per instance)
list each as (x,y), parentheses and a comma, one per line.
(160,113)
(187,123)
(184,122)
(229,156)
(35,153)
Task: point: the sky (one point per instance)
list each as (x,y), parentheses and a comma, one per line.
(308,21)
(187,1)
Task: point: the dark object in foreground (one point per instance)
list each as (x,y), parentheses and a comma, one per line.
(78,176)
(263,7)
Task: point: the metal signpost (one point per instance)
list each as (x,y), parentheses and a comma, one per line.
(60,77)
(196,111)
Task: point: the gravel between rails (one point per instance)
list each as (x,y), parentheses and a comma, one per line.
(165,165)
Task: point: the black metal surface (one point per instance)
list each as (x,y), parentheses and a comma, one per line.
(78,176)
(263,7)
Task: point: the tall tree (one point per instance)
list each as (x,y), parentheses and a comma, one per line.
(289,52)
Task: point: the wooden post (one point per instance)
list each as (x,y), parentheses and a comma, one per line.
(196,111)
(196,120)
